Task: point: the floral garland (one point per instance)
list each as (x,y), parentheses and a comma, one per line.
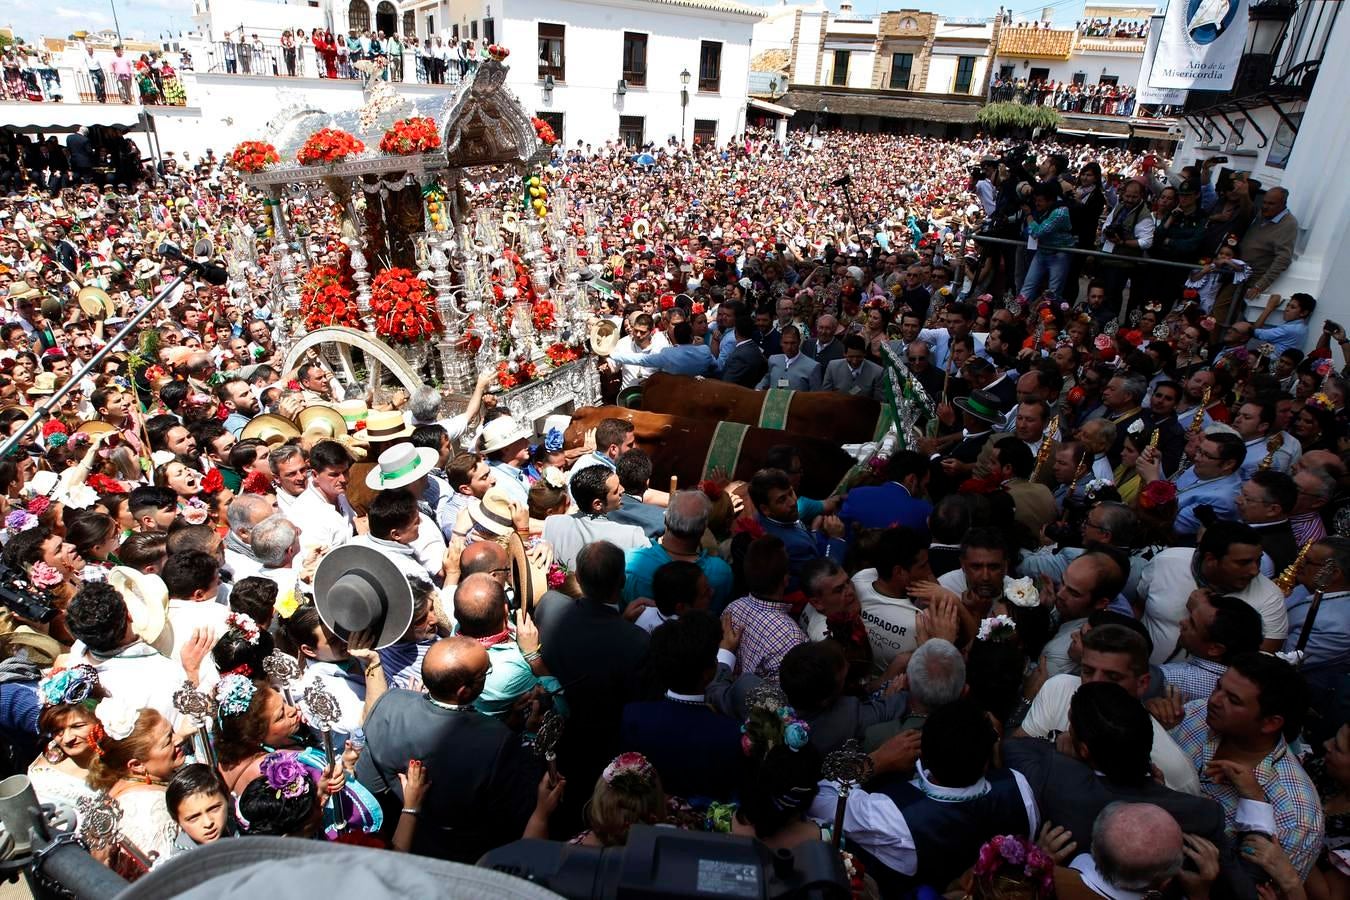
(560,354)
(327,146)
(406,137)
(544,131)
(244,624)
(403,306)
(325,300)
(252,156)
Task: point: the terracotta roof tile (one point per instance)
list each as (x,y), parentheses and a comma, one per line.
(1035,43)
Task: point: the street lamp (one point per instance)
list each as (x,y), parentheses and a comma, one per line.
(1267,21)
(684,100)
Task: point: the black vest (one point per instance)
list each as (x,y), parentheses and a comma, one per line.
(947,834)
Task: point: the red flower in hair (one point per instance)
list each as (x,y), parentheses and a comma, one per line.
(256,483)
(712,489)
(38,505)
(213,481)
(54,426)
(103,484)
(748,525)
(1076,395)
(1157,493)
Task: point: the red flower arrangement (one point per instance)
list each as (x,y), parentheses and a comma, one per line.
(213,482)
(327,146)
(325,300)
(525,372)
(561,354)
(54,426)
(544,131)
(469,343)
(252,156)
(542,315)
(403,306)
(412,135)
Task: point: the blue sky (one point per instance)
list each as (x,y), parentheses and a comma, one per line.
(148,18)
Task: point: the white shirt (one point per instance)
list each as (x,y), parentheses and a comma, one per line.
(651,619)
(1050,712)
(1166,584)
(185,617)
(241,566)
(630,374)
(321,523)
(139,673)
(349,692)
(889,620)
(401,555)
(874,821)
(286,502)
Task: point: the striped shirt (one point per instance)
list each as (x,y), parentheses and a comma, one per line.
(1299,822)
(769,633)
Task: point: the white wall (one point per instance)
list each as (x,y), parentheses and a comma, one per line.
(942,69)
(594,65)
(1125,66)
(808,48)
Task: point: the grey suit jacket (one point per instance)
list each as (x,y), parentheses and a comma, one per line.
(839,377)
(802,375)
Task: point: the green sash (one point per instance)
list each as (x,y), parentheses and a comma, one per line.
(773,414)
(724,449)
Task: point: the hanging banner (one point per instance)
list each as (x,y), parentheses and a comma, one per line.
(1201,45)
(1144,92)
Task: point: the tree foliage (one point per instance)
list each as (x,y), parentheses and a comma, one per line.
(1017,115)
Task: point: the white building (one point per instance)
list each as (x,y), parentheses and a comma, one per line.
(1285,125)
(646,70)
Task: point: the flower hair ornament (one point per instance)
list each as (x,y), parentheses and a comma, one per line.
(77,684)
(286,775)
(1157,493)
(629,765)
(1009,855)
(43,576)
(244,624)
(1321,401)
(997,629)
(553,440)
(234,693)
(116,718)
(772,722)
(553,477)
(1021,592)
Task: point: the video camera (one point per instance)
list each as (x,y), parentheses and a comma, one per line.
(19,596)
(659,863)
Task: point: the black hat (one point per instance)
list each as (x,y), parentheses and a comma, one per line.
(982,405)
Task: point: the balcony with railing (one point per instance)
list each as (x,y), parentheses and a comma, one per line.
(1286,42)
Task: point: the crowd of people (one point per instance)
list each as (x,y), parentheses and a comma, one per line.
(1106,99)
(436,59)
(1067,619)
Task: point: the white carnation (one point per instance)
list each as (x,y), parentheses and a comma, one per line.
(117,716)
(1021,592)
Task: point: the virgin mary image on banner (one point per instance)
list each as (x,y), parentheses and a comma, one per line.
(1208,19)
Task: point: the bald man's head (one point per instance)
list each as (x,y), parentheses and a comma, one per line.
(455,669)
(1136,846)
(486,557)
(480,606)
(1324,460)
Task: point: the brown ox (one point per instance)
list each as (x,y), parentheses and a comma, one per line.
(679,446)
(846,419)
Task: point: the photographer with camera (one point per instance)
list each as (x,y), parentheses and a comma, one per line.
(1127,233)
